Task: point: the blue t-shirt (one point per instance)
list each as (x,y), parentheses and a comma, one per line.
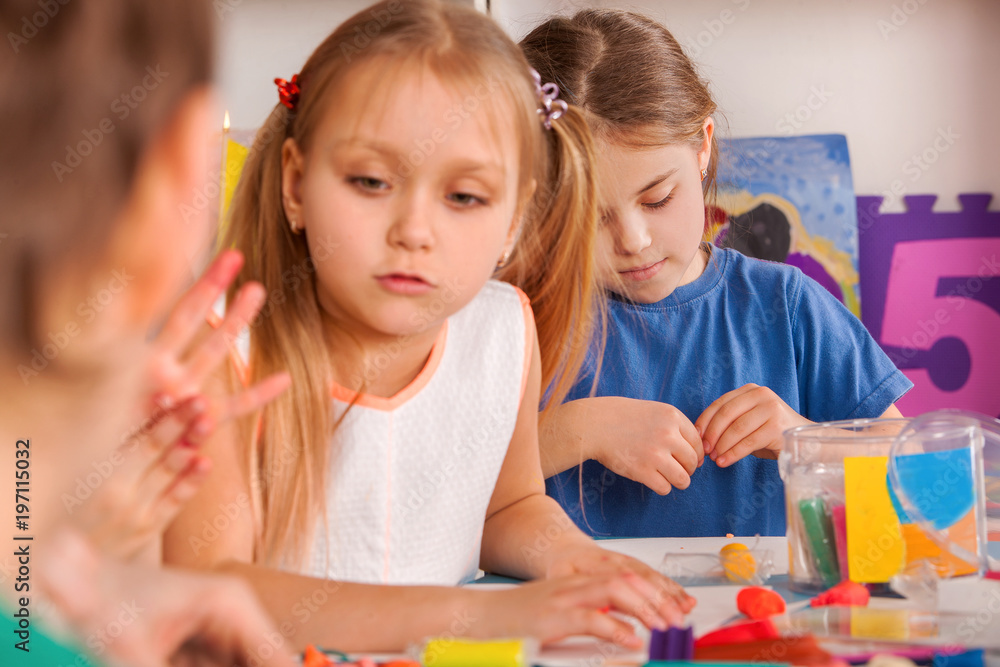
(743,320)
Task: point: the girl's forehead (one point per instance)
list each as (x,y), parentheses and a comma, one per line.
(392,96)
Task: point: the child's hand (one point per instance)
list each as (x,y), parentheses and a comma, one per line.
(577,604)
(650,442)
(143,616)
(158,467)
(146,480)
(748,420)
(661,595)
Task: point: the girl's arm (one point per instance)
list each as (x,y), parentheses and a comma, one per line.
(215,530)
(528,535)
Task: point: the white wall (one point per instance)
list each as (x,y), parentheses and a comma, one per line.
(895,76)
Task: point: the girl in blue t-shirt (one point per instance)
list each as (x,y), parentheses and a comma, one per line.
(708,352)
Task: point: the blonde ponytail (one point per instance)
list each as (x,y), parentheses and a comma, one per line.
(554,259)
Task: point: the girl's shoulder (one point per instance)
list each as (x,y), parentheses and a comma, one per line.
(760,276)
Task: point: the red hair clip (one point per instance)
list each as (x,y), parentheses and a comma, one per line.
(288,91)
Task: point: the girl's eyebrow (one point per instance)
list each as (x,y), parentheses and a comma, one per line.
(470,165)
(656,181)
(370,144)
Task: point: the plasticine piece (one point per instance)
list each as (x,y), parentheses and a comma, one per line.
(312,657)
(819,530)
(844,594)
(804,650)
(973,658)
(738,634)
(738,563)
(838,517)
(706,663)
(874,539)
(756,602)
(672,644)
(448,652)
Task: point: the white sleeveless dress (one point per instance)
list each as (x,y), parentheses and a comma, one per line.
(411,476)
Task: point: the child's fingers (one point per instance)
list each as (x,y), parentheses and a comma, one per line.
(165,472)
(254,397)
(672,471)
(621,591)
(603,626)
(188,316)
(185,485)
(652,479)
(666,596)
(175,423)
(691,457)
(143,452)
(759,438)
(628,594)
(214,349)
(717,416)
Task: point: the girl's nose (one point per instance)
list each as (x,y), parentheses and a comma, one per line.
(412,228)
(631,234)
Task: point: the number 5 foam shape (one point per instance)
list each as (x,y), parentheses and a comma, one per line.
(930,318)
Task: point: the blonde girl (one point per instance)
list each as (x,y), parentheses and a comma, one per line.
(707,352)
(411,161)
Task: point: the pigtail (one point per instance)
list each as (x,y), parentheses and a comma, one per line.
(554,259)
(287,444)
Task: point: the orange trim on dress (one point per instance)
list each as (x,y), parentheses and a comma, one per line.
(406,393)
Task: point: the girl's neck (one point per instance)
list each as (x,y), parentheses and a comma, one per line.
(383,365)
(698,264)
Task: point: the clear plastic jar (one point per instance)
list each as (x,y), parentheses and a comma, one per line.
(812,468)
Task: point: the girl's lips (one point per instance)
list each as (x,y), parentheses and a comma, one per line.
(643,272)
(401,283)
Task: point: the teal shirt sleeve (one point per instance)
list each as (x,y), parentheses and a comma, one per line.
(44,649)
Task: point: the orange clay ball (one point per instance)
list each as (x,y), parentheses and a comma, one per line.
(315,658)
(757,602)
(738,563)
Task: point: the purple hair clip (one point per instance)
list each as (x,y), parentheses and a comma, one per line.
(551,107)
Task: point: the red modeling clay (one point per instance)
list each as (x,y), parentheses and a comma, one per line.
(845,594)
(757,602)
(738,634)
(315,658)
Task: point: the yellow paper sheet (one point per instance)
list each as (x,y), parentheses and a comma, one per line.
(874,541)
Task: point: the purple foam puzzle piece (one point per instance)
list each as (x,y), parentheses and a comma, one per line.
(948,359)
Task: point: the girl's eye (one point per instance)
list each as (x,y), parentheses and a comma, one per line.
(465,200)
(369,183)
(659,204)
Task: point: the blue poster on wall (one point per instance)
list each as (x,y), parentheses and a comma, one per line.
(791,199)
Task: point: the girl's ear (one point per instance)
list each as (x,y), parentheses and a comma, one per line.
(705,151)
(292,162)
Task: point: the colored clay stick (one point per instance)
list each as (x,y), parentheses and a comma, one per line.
(672,644)
(874,540)
(487,653)
(819,530)
(838,517)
